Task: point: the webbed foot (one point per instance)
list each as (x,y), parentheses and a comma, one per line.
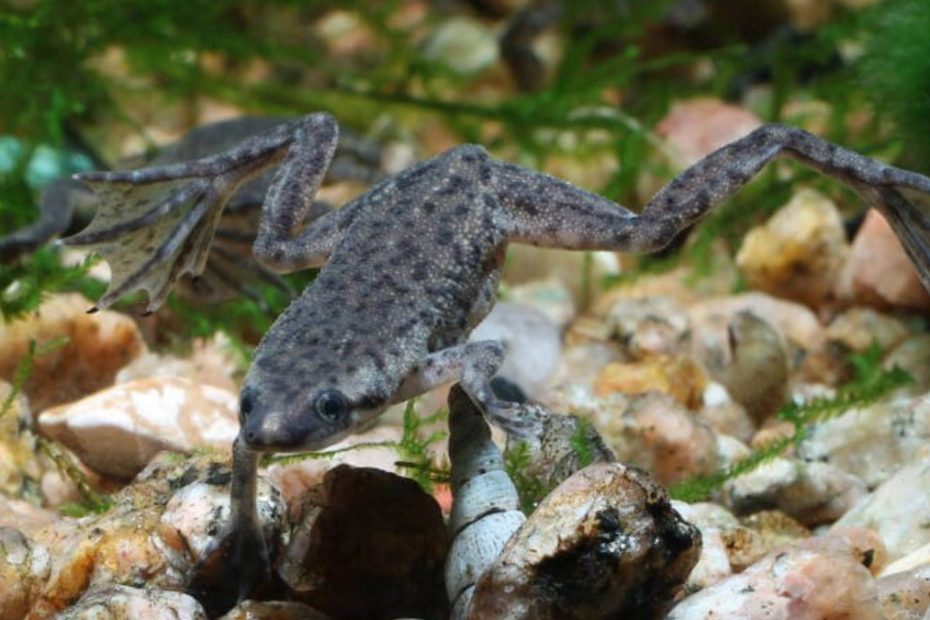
(236,567)
(156,224)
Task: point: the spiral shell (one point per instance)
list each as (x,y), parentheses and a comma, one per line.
(605,542)
(485,511)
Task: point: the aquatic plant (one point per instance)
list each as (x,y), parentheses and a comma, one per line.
(870,384)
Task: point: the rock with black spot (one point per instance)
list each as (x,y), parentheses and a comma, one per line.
(898,510)
(371,544)
(605,544)
(905,595)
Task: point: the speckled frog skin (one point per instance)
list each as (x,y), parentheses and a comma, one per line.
(409,267)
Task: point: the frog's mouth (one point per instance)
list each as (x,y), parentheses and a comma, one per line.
(283,433)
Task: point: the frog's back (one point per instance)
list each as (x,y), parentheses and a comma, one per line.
(405,278)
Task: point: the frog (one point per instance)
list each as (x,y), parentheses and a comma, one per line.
(406,270)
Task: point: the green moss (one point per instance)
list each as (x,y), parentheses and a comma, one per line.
(530,488)
(894,72)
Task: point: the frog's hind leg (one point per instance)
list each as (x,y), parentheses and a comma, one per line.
(57,205)
(156,224)
(549,212)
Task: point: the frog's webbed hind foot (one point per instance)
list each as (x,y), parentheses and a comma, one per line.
(150,232)
(156,224)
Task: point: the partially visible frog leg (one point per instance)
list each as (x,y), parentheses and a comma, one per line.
(473,365)
(547,211)
(155,224)
(238,562)
(57,204)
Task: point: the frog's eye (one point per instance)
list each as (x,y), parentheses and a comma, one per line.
(246,402)
(331,405)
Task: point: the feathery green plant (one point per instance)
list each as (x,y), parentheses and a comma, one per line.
(530,488)
(24,285)
(416,448)
(870,384)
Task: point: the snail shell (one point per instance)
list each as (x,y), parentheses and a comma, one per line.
(485,511)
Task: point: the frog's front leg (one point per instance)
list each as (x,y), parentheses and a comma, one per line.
(237,564)
(473,365)
(155,224)
(547,211)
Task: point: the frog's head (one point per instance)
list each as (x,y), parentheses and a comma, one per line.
(282,412)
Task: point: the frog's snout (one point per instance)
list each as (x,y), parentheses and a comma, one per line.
(273,432)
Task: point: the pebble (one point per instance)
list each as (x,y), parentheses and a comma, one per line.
(656,433)
(533,341)
(871,443)
(97,346)
(558,280)
(372,532)
(914,559)
(19,467)
(211,362)
(23,516)
(696,127)
(796,325)
(120,602)
(858,328)
(551,297)
(605,543)
(680,377)
(714,563)
(273,610)
(757,374)
(24,568)
(912,356)
(799,252)
(822,577)
(152,534)
(136,420)
(463,44)
(878,271)
(905,595)
(898,510)
(649,326)
(724,415)
(811,493)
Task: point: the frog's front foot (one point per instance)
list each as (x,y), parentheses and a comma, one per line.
(235,567)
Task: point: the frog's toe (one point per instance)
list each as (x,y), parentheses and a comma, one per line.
(510,417)
(236,567)
(151,234)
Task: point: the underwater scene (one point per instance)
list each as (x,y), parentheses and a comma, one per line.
(466,309)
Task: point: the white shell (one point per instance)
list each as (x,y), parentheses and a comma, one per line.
(487,493)
(477,547)
(484,505)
